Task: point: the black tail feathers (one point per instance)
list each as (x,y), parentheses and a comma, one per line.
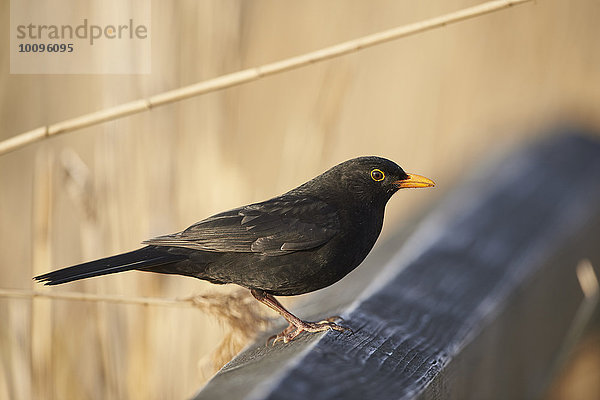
(142,258)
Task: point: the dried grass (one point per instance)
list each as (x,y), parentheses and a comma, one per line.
(238,312)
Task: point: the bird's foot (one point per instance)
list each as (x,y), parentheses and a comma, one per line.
(297,327)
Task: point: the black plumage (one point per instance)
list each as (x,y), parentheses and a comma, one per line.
(301,241)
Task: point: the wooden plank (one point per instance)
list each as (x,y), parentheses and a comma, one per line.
(475,304)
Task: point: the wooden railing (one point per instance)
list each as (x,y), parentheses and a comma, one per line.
(481,299)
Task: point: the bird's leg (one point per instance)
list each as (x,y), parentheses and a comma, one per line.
(296,325)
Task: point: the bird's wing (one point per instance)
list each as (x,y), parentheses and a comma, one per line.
(274,227)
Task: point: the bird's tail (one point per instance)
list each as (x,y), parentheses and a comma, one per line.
(145,257)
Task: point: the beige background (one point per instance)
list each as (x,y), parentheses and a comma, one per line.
(438,103)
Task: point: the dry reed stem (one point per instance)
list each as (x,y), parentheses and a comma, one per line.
(251,74)
(78,296)
(237,311)
(586,276)
(41,310)
(588,281)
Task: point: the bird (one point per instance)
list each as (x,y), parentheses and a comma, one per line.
(301,241)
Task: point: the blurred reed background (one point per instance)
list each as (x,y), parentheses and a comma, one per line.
(438,103)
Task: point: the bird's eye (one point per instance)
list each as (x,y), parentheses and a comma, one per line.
(377,175)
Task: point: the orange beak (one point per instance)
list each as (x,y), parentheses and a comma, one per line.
(414,181)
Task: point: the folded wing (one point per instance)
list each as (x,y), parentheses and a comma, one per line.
(274,227)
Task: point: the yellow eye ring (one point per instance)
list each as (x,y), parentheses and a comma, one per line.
(377,175)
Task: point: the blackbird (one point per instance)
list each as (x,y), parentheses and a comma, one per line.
(299,242)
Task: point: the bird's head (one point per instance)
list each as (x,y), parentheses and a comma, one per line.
(369,179)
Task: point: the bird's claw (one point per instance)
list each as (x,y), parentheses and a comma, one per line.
(294,329)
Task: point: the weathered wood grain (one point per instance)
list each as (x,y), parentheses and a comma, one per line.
(475,303)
